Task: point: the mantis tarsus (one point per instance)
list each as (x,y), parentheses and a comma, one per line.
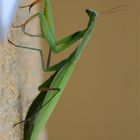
(51,90)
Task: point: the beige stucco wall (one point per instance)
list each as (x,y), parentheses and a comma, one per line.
(20,75)
(10,101)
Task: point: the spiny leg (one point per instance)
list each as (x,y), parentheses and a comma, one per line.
(31,5)
(44,90)
(28,21)
(34,49)
(23,26)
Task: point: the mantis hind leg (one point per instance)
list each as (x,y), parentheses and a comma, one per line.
(44,90)
(49,58)
(34,49)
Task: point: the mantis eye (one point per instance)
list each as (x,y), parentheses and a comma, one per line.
(91,12)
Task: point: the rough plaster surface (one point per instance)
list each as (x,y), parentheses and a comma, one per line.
(9,94)
(20,76)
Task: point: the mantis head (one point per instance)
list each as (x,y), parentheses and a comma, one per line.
(91,13)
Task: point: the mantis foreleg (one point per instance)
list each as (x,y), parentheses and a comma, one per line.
(31,5)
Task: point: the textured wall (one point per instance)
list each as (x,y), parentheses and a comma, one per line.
(10,101)
(20,76)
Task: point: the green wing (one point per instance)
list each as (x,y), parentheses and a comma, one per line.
(38,118)
(31,114)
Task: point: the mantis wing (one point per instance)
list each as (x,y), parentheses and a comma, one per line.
(46,102)
(32,114)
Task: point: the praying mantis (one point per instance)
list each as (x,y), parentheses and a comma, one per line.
(51,90)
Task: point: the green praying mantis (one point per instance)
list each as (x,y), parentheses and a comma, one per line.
(52,89)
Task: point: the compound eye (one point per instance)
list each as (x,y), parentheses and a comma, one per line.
(91,12)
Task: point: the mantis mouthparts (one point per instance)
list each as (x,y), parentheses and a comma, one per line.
(91,12)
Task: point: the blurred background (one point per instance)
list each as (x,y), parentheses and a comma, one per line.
(102,100)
